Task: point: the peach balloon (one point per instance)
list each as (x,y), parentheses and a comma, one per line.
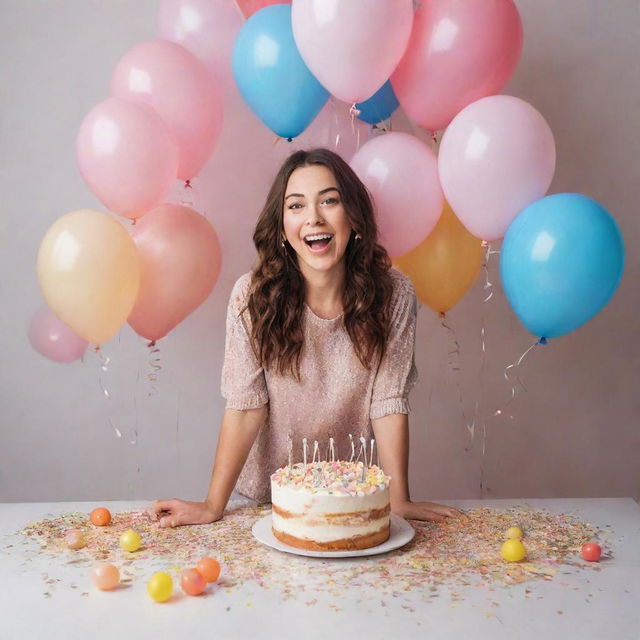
(105,576)
(192,582)
(74,539)
(180,89)
(89,274)
(459,51)
(180,261)
(445,265)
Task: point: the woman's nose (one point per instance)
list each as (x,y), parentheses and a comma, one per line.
(314,215)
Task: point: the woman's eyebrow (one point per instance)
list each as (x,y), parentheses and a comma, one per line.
(301,195)
(328,189)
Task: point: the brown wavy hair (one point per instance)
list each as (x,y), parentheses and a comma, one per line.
(277,293)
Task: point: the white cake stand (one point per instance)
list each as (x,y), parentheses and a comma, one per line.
(401,533)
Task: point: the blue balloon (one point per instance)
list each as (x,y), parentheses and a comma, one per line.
(561,261)
(379,106)
(271,75)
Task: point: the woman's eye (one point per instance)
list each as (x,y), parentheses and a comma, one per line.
(295,205)
(330,201)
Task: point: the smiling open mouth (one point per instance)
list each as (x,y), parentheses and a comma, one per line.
(318,241)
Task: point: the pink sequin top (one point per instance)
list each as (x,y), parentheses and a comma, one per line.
(336,396)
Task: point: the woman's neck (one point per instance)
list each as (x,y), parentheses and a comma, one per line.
(324,291)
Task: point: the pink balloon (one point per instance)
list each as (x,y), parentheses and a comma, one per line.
(127,156)
(180,261)
(53,339)
(207,28)
(458,52)
(178,86)
(352,47)
(401,172)
(249,7)
(496,157)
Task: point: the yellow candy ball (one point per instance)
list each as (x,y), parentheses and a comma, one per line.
(513,550)
(160,586)
(514,532)
(130,540)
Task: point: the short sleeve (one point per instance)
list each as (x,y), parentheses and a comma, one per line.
(243,382)
(397,373)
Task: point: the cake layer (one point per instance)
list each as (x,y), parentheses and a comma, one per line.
(327,531)
(344,544)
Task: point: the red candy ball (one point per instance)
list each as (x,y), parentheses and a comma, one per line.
(591,551)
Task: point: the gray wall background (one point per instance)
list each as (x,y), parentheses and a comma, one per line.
(574,432)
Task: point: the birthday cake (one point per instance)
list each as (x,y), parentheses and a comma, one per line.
(330,506)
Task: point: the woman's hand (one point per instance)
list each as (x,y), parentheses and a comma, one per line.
(426,511)
(175,513)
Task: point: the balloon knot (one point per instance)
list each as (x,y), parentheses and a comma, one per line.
(442,315)
(289,139)
(543,341)
(434,136)
(134,222)
(152,344)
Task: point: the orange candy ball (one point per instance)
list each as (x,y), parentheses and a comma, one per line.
(100,517)
(105,576)
(192,582)
(209,569)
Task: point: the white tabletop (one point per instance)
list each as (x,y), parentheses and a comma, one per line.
(43,596)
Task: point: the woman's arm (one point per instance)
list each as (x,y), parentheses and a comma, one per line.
(238,432)
(392,438)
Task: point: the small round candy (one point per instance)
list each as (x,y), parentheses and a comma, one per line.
(209,568)
(514,533)
(192,582)
(513,550)
(591,551)
(74,539)
(130,540)
(105,576)
(100,517)
(160,586)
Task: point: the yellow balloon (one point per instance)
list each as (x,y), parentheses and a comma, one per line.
(513,550)
(160,586)
(445,264)
(89,273)
(130,540)
(514,532)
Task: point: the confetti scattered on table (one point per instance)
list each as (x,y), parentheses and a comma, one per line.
(458,551)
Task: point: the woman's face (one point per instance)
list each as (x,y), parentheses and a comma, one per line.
(315,222)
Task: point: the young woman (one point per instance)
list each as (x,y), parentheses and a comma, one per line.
(320,343)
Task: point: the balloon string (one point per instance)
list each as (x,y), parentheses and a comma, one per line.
(105,361)
(154,364)
(188,195)
(488,285)
(453,360)
(518,380)
(477,419)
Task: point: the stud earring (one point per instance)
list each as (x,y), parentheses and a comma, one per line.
(358,236)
